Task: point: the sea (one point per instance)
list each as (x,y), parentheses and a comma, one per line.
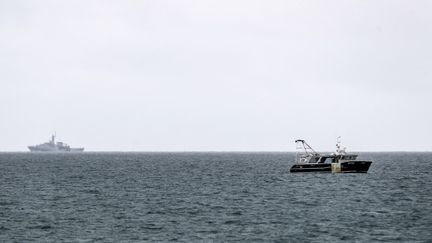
(211,197)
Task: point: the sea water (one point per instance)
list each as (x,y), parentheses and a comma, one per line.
(211,197)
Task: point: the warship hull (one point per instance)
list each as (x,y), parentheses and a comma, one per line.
(53,150)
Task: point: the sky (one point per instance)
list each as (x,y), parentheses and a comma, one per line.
(238,75)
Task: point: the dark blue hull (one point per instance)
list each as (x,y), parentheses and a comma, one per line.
(308,167)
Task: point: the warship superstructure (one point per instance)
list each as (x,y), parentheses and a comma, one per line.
(53,146)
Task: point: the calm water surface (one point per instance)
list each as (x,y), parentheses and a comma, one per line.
(135,197)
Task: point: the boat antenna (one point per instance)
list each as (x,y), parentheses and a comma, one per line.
(338,146)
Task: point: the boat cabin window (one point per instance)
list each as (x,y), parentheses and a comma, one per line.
(316,160)
(313,159)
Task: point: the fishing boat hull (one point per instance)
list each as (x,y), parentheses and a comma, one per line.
(353,166)
(309,167)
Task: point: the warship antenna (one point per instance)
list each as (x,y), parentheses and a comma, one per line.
(53,137)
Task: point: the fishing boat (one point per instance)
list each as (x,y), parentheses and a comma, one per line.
(308,160)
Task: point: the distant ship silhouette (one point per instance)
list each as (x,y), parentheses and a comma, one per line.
(52,146)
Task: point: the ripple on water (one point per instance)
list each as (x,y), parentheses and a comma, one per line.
(111,197)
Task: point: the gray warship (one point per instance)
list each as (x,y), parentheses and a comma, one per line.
(53,146)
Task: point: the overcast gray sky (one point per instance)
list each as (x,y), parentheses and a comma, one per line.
(238,75)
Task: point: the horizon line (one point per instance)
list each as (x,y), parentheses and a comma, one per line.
(215,151)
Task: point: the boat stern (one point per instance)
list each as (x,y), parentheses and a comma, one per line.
(351,166)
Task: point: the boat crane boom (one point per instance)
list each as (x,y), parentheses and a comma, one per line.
(301,144)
